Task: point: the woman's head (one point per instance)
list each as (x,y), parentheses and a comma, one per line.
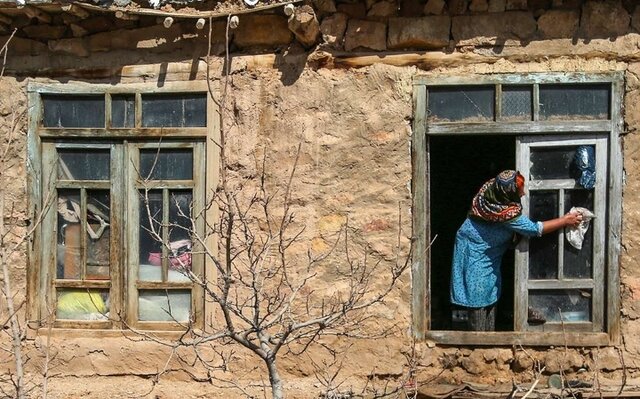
(499,198)
(509,186)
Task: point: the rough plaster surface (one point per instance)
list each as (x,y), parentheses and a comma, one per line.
(354,128)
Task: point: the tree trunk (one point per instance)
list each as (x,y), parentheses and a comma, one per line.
(15,327)
(274,379)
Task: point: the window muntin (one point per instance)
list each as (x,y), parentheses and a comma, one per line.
(82,246)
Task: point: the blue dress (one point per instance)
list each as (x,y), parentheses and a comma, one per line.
(477,256)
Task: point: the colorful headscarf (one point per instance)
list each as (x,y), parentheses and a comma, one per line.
(498,199)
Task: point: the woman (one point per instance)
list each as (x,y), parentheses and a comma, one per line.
(495,219)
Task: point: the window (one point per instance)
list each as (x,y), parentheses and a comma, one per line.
(466,130)
(118,173)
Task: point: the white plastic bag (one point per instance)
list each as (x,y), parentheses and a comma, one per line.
(575,235)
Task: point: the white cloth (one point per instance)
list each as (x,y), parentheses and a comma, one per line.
(575,234)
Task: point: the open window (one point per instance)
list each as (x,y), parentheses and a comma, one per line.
(468,130)
(118,175)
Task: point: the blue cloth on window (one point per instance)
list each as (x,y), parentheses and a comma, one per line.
(585,160)
(477,256)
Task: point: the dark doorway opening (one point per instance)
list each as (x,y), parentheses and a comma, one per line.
(458,167)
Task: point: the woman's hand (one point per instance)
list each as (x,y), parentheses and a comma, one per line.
(569,219)
(572,219)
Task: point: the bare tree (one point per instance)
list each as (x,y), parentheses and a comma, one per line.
(271,298)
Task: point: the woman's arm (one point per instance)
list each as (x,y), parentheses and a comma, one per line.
(570,219)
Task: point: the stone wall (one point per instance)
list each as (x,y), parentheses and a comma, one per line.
(354,128)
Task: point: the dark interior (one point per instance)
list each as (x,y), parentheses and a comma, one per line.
(458,167)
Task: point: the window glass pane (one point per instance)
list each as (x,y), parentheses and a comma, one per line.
(571,102)
(123,110)
(73,111)
(69,252)
(553,163)
(164,305)
(180,234)
(461,104)
(543,251)
(166,164)
(150,243)
(579,263)
(516,103)
(81,164)
(82,304)
(574,305)
(174,110)
(98,234)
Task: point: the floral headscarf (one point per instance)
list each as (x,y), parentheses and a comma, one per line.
(498,199)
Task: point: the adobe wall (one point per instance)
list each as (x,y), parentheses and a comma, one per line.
(348,104)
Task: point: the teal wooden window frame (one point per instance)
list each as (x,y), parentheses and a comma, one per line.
(423,129)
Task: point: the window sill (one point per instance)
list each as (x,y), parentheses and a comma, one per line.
(573,339)
(105,333)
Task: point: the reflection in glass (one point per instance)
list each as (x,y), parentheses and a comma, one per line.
(579,263)
(174,110)
(69,252)
(543,251)
(516,103)
(180,222)
(83,164)
(82,304)
(98,235)
(461,104)
(164,305)
(571,102)
(574,305)
(123,110)
(73,111)
(553,163)
(150,242)
(166,164)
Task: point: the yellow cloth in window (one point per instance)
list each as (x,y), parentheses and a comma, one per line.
(79,305)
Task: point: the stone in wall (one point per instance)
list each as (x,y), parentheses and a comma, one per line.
(45,32)
(366,34)
(475,363)
(411,8)
(555,24)
(20,46)
(333,28)
(491,29)
(458,7)
(76,47)
(556,361)
(516,5)
(353,10)
(538,4)
(262,30)
(497,5)
(325,6)
(383,9)
(424,33)
(604,19)
(434,7)
(478,6)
